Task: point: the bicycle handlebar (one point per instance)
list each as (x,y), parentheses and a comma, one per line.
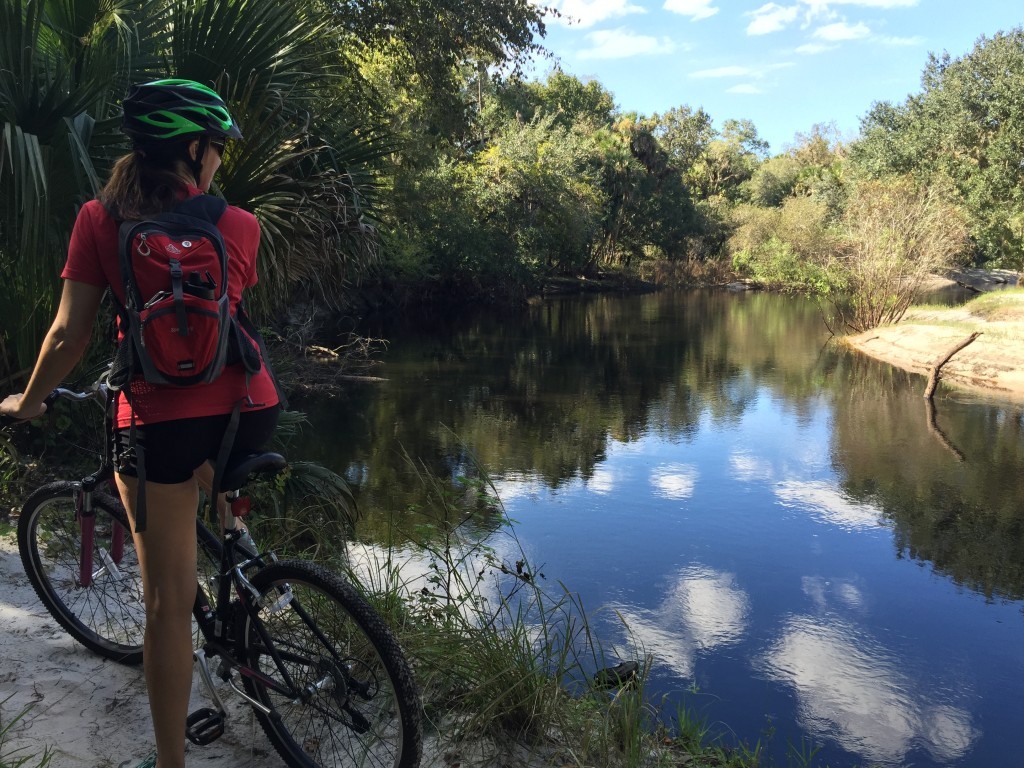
(96,391)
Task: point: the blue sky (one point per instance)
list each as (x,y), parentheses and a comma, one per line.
(784,65)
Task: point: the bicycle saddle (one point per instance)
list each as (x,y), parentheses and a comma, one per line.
(240,468)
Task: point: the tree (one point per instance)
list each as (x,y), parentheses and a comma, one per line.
(684,134)
(729,160)
(966,124)
(63,67)
(896,232)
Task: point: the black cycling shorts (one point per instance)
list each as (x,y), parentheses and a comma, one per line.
(175,449)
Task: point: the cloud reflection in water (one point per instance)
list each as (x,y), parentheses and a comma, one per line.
(674,481)
(825,502)
(850,689)
(703,609)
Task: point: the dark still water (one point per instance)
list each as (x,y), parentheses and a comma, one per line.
(805,549)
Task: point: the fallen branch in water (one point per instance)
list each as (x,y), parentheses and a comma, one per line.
(933,378)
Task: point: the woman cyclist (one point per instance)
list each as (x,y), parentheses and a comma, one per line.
(178,129)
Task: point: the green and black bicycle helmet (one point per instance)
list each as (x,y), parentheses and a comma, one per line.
(175,109)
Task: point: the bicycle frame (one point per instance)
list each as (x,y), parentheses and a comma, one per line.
(222,634)
(219,628)
(295,641)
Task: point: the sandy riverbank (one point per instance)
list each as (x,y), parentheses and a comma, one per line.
(992,365)
(93,713)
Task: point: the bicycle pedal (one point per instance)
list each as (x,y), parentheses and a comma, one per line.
(204,726)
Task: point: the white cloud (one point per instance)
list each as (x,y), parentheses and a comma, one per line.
(842,31)
(621,44)
(704,609)
(811,49)
(851,689)
(899,42)
(695,9)
(771,18)
(601,481)
(587,13)
(723,72)
(824,4)
(748,468)
(744,88)
(755,73)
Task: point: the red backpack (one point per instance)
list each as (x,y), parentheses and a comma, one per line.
(176,319)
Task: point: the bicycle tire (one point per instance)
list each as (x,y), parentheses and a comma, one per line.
(316,730)
(108,617)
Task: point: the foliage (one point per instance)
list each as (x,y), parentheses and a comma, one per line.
(729,161)
(966,125)
(684,134)
(64,65)
(567,99)
(896,232)
(786,247)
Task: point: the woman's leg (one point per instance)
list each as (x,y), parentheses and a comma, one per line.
(167,557)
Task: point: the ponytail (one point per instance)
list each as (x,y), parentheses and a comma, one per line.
(146,181)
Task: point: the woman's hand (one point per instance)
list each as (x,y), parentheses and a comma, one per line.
(12,406)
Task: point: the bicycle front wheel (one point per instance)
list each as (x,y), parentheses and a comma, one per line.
(93,591)
(350,699)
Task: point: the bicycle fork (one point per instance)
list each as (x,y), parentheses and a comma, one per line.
(86,519)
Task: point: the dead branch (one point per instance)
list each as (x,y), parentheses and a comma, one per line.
(933,377)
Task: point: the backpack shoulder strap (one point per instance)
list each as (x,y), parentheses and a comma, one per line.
(207,207)
(250,328)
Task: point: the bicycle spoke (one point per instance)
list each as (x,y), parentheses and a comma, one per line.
(103,609)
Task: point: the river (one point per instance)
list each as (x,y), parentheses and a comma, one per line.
(808,553)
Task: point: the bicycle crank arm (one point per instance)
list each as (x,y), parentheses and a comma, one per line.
(199,656)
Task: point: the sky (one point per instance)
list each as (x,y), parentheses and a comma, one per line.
(786,66)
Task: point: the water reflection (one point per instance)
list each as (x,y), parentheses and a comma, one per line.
(825,502)
(748,468)
(850,689)
(632,436)
(674,481)
(702,609)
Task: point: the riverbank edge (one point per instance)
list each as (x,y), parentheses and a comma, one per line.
(990,367)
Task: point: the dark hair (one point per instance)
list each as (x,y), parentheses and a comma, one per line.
(147,180)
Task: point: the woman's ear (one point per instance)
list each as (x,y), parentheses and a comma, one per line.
(193,149)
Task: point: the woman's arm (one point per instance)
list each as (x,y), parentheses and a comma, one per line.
(63,347)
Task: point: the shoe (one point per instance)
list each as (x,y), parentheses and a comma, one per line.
(149,762)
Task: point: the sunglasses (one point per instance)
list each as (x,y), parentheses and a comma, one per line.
(219,146)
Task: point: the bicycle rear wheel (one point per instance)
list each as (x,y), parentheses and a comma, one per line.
(107,614)
(353,700)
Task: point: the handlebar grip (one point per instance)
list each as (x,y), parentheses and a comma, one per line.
(48,401)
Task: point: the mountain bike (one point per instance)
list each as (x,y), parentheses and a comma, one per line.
(323,674)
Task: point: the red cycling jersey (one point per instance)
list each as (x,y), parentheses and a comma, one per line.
(93,259)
